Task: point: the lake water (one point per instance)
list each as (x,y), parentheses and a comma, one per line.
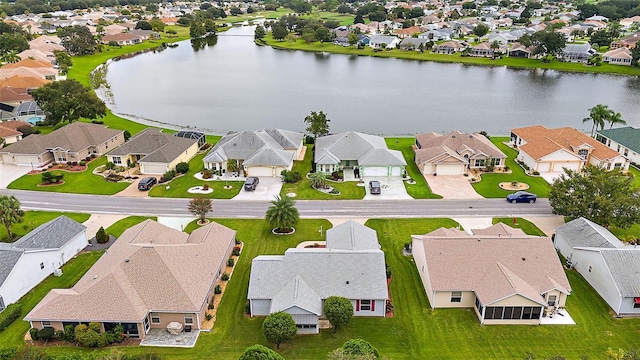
(237,85)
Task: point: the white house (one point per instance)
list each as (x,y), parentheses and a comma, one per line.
(608,265)
(624,140)
(351,266)
(33,257)
(383,41)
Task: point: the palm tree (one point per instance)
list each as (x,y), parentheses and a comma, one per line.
(597,114)
(282,215)
(10,212)
(615,118)
(318,180)
(11,57)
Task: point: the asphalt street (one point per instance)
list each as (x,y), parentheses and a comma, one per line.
(99,204)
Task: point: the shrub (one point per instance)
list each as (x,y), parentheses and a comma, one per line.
(88,158)
(109,165)
(69,163)
(95,326)
(168,176)
(182,168)
(88,337)
(34,334)
(225,277)
(388,269)
(210,306)
(93,156)
(9,315)
(207,174)
(82,163)
(208,317)
(97,122)
(309,139)
(205,187)
(230,262)
(238,242)
(114,177)
(69,332)
(46,334)
(217,290)
(101,236)
(236,251)
(290,177)
(536,173)
(51,178)
(60,334)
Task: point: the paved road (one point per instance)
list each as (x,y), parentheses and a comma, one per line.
(98,204)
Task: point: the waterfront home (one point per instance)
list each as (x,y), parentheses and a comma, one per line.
(155,151)
(383,42)
(455,153)
(577,53)
(437,35)
(628,42)
(449,47)
(619,56)
(26,82)
(70,143)
(265,152)
(624,140)
(411,43)
(521,51)
(350,150)
(351,266)
(122,39)
(504,275)
(551,150)
(610,266)
(29,67)
(151,276)
(42,252)
(482,50)
(39,55)
(46,43)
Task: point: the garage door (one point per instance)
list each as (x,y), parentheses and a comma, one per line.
(451,169)
(26,160)
(428,169)
(375,171)
(259,171)
(571,166)
(544,167)
(150,168)
(396,171)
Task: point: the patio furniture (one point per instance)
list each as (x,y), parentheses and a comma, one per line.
(174,328)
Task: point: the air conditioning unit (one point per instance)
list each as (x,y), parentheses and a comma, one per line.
(57,272)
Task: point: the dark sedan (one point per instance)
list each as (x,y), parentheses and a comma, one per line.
(522,196)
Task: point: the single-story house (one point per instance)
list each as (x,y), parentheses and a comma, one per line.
(155,151)
(608,265)
(410,43)
(455,153)
(73,142)
(190,134)
(551,150)
(624,140)
(122,39)
(437,35)
(28,67)
(151,276)
(352,266)
(449,47)
(628,42)
(504,275)
(482,50)
(352,149)
(46,43)
(619,56)
(263,152)
(577,52)
(144,34)
(519,50)
(9,131)
(383,41)
(30,259)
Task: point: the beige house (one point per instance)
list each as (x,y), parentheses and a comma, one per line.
(455,153)
(73,142)
(550,150)
(9,131)
(155,151)
(619,56)
(506,276)
(151,276)
(29,67)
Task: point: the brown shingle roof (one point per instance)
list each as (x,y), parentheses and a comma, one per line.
(541,141)
(29,63)
(8,94)
(155,145)
(9,128)
(151,267)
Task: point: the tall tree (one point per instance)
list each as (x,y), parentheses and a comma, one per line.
(604,197)
(338,311)
(282,214)
(10,212)
(279,327)
(260,32)
(260,352)
(481,30)
(615,118)
(77,40)
(68,100)
(64,60)
(200,207)
(548,42)
(317,123)
(197,30)
(597,116)
(279,32)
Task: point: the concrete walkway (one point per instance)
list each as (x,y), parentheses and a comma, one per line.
(547,224)
(452,187)
(97,220)
(473,223)
(9,173)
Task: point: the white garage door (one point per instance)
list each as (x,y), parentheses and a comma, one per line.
(396,171)
(27,160)
(375,171)
(150,168)
(259,171)
(450,169)
(544,167)
(571,166)
(428,169)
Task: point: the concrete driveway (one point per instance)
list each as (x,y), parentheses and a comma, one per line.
(132,190)
(10,172)
(267,189)
(452,187)
(392,188)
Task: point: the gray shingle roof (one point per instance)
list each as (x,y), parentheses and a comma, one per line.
(250,144)
(8,259)
(155,145)
(585,233)
(626,136)
(352,236)
(270,157)
(353,145)
(624,265)
(51,235)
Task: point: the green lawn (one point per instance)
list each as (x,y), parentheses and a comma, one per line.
(32,219)
(488,186)
(527,226)
(419,190)
(178,187)
(343,19)
(117,228)
(79,183)
(349,190)
(636,176)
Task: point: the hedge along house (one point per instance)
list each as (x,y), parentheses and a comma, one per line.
(263,152)
(350,150)
(506,276)
(352,266)
(155,151)
(70,143)
(29,260)
(151,276)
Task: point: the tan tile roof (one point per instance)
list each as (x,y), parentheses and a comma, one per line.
(28,82)
(541,141)
(28,63)
(9,128)
(8,94)
(493,267)
(149,268)
(455,143)
(41,72)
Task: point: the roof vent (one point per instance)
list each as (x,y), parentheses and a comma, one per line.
(453,136)
(126,260)
(347,282)
(95,277)
(523,259)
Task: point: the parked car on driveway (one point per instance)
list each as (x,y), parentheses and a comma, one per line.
(522,196)
(147,183)
(374,187)
(251,183)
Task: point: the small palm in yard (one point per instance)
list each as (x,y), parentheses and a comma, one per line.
(200,207)
(318,180)
(10,212)
(282,215)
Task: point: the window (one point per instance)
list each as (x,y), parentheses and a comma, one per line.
(365,305)
(117,160)
(551,301)
(155,318)
(41,265)
(479,162)
(617,166)
(583,153)
(188,319)
(636,302)
(146,324)
(618,148)
(62,159)
(456,296)
(626,152)
(46,324)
